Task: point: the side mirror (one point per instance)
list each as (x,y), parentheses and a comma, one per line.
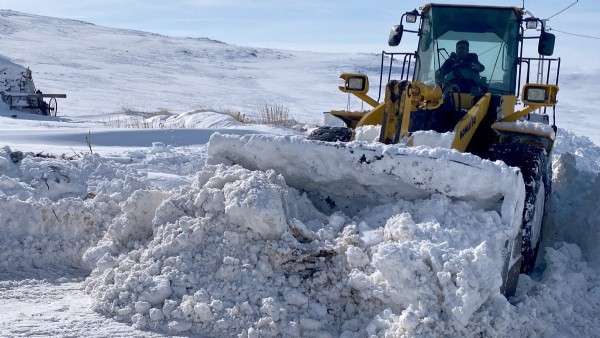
(546,44)
(395,36)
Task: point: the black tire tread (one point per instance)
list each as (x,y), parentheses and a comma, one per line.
(331,134)
(534,165)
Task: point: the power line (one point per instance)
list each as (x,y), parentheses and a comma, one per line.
(571,5)
(580,35)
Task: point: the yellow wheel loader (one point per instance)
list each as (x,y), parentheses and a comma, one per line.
(467,87)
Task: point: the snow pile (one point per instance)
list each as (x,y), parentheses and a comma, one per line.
(581,146)
(433,139)
(168,167)
(14,79)
(435,263)
(565,302)
(240,252)
(527,127)
(216,269)
(54,209)
(576,188)
(367,133)
(352,176)
(11,75)
(197,118)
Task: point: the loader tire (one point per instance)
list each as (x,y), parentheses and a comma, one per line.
(331,134)
(534,164)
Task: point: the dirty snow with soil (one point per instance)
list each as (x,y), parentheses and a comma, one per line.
(142,237)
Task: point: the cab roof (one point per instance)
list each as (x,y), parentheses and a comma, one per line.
(428,6)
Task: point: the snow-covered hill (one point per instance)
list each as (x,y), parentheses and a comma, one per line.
(134,225)
(102,70)
(106,71)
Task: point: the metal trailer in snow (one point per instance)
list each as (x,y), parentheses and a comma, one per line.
(33,102)
(19,93)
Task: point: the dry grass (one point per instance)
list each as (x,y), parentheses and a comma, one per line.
(160,112)
(129,110)
(237,116)
(139,119)
(270,114)
(142,123)
(276,115)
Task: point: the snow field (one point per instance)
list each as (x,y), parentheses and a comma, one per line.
(239,252)
(172,246)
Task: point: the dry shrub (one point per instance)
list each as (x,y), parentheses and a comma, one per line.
(129,110)
(132,111)
(275,115)
(236,115)
(142,123)
(160,112)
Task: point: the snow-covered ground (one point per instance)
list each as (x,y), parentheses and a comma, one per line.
(110,231)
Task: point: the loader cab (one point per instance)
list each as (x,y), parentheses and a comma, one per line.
(493,68)
(493,36)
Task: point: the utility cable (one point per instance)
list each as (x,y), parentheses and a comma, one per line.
(580,35)
(571,5)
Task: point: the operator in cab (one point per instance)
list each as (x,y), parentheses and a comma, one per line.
(461,68)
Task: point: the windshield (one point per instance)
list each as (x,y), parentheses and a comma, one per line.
(492,35)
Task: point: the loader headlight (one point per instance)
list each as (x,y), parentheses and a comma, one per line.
(356,83)
(531,23)
(535,94)
(540,94)
(411,18)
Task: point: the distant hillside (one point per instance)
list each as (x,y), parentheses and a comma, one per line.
(104,69)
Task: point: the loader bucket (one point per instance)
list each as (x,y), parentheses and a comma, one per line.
(355,175)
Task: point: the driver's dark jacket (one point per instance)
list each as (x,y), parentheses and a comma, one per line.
(454,62)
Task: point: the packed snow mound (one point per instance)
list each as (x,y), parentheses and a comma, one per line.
(574,205)
(240,252)
(54,209)
(7,63)
(587,152)
(197,118)
(12,75)
(575,187)
(352,176)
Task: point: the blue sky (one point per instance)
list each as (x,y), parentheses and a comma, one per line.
(332,25)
